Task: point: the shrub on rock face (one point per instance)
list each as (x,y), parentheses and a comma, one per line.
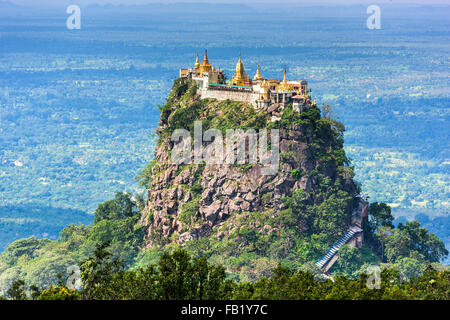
(296,174)
(189,212)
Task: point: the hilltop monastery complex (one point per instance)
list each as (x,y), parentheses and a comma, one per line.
(262,93)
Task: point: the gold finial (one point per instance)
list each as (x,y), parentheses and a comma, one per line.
(258,74)
(284,85)
(205,66)
(197,62)
(239,77)
(205,58)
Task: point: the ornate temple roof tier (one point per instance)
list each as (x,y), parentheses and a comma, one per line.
(258,74)
(239,77)
(284,86)
(205,66)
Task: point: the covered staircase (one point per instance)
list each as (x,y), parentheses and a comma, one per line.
(328,259)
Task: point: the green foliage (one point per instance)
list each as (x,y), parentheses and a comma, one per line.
(22,248)
(379,221)
(352,261)
(179,88)
(58,293)
(285,218)
(296,174)
(424,242)
(7,277)
(17,290)
(265,198)
(182,110)
(236,115)
(73,236)
(97,273)
(410,243)
(189,212)
(327,217)
(286,284)
(41,261)
(120,207)
(299,207)
(185,278)
(409,267)
(148,257)
(144,178)
(183,117)
(47,268)
(197,188)
(179,276)
(380,216)
(432,284)
(300,285)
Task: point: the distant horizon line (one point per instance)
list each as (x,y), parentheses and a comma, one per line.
(137,3)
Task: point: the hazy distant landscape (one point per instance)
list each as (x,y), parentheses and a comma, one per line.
(78,107)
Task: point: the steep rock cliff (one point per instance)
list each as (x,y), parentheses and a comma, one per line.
(190,201)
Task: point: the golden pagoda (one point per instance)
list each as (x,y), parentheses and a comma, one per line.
(205,66)
(258,74)
(197,63)
(284,85)
(239,77)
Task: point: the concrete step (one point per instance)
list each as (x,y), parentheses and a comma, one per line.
(331,252)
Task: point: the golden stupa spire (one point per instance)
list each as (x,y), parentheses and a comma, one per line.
(258,74)
(240,66)
(239,75)
(284,85)
(197,62)
(205,58)
(205,66)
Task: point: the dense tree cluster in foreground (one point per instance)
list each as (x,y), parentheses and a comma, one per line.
(179,276)
(408,248)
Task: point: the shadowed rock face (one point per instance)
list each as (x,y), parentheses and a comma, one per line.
(190,200)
